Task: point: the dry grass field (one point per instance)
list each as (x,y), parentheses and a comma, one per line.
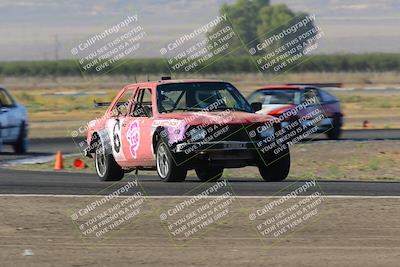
(60,105)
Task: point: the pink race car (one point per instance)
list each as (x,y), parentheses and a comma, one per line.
(278,99)
(173,126)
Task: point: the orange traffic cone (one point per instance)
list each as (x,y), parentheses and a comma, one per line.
(367,124)
(58,165)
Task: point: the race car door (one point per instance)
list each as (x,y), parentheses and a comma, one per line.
(137,130)
(9,119)
(3,123)
(114,125)
(314,109)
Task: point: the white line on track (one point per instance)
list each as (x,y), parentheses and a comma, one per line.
(163,197)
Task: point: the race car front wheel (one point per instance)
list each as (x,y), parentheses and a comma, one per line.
(209,174)
(275,168)
(106,167)
(21,144)
(167,169)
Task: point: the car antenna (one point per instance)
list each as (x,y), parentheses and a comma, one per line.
(148,78)
(135,79)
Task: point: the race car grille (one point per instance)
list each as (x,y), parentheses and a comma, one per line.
(226,132)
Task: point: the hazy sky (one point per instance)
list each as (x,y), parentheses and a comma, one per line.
(29,28)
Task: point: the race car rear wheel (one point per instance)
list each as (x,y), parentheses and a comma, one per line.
(336,131)
(106,167)
(209,174)
(275,168)
(167,169)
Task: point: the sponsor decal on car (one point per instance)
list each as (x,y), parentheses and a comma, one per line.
(174,130)
(133,136)
(113,127)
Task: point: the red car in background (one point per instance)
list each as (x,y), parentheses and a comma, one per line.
(277,100)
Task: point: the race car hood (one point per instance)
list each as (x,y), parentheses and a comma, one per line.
(275,109)
(223,117)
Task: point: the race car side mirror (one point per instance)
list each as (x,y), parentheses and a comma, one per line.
(256,106)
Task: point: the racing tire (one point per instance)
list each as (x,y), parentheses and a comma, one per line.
(336,131)
(209,174)
(275,168)
(21,145)
(166,167)
(107,168)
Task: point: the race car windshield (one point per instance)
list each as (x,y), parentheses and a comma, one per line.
(271,97)
(202,96)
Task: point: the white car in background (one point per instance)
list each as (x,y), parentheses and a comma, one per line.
(13,123)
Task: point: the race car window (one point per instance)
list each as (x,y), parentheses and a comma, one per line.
(312,95)
(143,104)
(198,96)
(122,106)
(5,99)
(327,97)
(173,100)
(273,97)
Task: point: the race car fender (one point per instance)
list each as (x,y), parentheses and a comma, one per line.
(171,131)
(115,138)
(105,141)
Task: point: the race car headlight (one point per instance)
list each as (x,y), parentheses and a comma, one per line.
(267,132)
(197,134)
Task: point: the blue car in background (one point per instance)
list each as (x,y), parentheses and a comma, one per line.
(13,123)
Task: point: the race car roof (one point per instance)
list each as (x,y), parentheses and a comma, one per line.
(281,87)
(159,82)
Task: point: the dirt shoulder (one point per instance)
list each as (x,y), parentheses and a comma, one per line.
(346,232)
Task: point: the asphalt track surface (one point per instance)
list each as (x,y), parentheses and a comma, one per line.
(27,182)
(48,146)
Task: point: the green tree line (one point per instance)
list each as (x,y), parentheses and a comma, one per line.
(378,62)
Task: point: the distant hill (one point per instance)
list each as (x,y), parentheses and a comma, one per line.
(42,29)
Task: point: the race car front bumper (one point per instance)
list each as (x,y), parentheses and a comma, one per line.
(198,147)
(216,154)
